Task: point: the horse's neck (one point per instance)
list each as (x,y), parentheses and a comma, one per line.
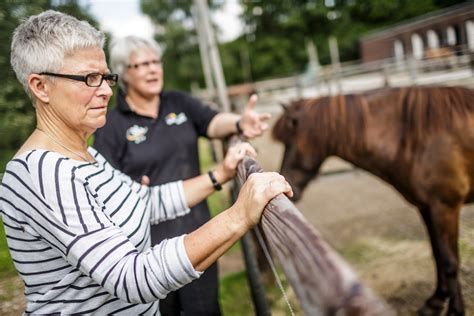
(344,146)
(365,158)
(353,149)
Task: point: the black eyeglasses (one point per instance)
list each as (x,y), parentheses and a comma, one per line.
(154,62)
(92,80)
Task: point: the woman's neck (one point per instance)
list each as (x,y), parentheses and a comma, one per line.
(55,135)
(143,105)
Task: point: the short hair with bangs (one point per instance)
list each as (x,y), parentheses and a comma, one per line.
(120,52)
(41,42)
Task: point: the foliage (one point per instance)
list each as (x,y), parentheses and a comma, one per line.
(275,34)
(220,200)
(287,25)
(177,36)
(8,269)
(16,112)
(235,299)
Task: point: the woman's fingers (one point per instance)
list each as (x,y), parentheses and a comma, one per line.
(267,185)
(247,149)
(234,155)
(238,152)
(145,180)
(278,186)
(256,192)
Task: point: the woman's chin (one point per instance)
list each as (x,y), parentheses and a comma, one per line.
(102,122)
(98,123)
(153,89)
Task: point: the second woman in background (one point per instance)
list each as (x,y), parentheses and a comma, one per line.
(155,133)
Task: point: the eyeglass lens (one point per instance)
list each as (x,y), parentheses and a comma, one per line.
(95,79)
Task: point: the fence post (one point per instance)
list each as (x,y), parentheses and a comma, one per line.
(411,63)
(471,62)
(323,282)
(262,308)
(385,74)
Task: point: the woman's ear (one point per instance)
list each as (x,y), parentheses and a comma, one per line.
(39,87)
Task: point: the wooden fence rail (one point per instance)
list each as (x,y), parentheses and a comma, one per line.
(323,282)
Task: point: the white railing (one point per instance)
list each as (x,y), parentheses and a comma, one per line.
(354,76)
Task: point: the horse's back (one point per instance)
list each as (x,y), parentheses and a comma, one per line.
(425,136)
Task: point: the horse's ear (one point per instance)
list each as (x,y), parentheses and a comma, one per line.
(284,106)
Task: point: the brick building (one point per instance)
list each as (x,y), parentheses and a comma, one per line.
(443,32)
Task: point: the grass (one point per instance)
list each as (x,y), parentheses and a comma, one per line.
(358,253)
(234,292)
(5,156)
(219,200)
(6,262)
(235,295)
(466,250)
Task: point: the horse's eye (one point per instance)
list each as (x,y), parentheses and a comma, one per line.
(294,122)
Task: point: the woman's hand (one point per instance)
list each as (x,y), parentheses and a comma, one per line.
(252,123)
(255,194)
(210,241)
(226,171)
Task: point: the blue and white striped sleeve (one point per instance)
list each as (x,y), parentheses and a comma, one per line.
(167,201)
(59,207)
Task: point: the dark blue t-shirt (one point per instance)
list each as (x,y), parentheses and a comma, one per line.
(165,149)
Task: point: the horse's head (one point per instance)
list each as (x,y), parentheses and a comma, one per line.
(298,165)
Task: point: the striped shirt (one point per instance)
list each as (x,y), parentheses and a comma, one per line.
(79,236)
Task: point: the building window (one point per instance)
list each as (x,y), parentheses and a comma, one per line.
(433,39)
(451,36)
(417,46)
(398,50)
(470,35)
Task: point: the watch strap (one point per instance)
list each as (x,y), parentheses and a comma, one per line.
(217,186)
(239,129)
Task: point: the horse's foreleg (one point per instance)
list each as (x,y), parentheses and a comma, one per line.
(434,305)
(442,223)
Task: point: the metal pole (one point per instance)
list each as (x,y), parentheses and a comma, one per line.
(411,64)
(260,303)
(214,55)
(314,64)
(336,65)
(245,61)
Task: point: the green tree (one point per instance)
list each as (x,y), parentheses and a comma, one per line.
(279,29)
(16,112)
(178,37)
(275,34)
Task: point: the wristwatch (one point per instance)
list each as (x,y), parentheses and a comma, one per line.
(239,129)
(217,186)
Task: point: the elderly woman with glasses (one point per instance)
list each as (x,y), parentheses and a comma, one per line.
(78,230)
(154,134)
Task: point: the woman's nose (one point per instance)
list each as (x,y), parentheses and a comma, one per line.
(105,89)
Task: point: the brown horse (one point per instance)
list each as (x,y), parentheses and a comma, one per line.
(418,139)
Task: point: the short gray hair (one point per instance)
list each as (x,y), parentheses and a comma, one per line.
(41,42)
(120,52)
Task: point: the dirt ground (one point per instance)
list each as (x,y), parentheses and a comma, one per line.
(377,231)
(383,238)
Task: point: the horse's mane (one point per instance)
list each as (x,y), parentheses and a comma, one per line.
(424,110)
(420,111)
(326,117)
